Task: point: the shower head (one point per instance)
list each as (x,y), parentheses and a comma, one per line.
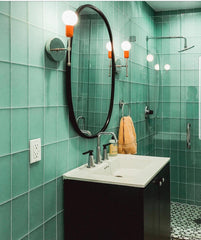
(186,48)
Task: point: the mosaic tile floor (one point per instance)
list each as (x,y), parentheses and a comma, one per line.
(185,221)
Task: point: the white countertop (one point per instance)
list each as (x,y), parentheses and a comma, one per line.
(124,169)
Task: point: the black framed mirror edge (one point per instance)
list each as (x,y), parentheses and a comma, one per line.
(68,79)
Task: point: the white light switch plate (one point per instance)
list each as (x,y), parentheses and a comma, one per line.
(35,150)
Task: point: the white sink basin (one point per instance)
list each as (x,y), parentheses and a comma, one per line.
(124,169)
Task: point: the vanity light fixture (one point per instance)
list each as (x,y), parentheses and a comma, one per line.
(70,19)
(150,58)
(55,47)
(109,48)
(157,67)
(167,67)
(126,47)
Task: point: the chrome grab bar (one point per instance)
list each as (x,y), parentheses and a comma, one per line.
(188,136)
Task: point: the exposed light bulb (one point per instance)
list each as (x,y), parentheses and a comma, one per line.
(109,46)
(70,18)
(150,57)
(156,67)
(126,45)
(167,67)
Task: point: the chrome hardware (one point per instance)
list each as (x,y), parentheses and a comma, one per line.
(147,112)
(160,183)
(105,153)
(90,159)
(163,180)
(188,135)
(98,148)
(122,104)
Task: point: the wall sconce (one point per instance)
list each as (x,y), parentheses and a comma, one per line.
(55,46)
(126,47)
(109,48)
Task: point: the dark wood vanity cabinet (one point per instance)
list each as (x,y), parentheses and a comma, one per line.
(97,211)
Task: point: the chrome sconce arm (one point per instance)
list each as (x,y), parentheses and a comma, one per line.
(56,50)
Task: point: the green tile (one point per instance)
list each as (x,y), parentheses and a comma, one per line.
(198,176)
(19,42)
(50,16)
(5,221)
(5,7)
(36,208)
(19,217)
(5,178)
(36,123)
(37,171)
(36,86)
(60,226)
(190,192)
(182,191)
(174,190)
(5,141)
(50,160)
(61,84)
(5,38)
(182,175)
(50,125)
(50,200)
(50,87)
(50,229)
(63,123)
(62,160)
(19,10)
(73,153)
(60,196)
(5,94)
(36,51)
(198,193)
(19,129)
(20,173)
(33,8)
(174,173)
(36,234)
(19,85)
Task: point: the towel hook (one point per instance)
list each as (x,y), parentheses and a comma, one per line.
(122,104)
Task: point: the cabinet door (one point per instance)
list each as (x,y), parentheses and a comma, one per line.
(151,211)
(164,200)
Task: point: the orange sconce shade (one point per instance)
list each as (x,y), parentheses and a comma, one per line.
(69,30)
(126,54)
(109,54)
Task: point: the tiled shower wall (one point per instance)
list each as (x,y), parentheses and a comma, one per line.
(178,102)
(32,105)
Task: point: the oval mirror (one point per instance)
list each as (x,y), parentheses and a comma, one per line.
(91,76)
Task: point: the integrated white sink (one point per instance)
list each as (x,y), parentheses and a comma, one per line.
(124,169)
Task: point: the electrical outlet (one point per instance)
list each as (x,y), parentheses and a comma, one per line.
(35,150)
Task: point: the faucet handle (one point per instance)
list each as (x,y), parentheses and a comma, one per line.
(90,159)
(105,153)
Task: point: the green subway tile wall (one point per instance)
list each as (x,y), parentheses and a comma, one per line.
(33,105)
(178,102)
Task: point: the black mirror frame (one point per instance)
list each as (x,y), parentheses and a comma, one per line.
(68,80)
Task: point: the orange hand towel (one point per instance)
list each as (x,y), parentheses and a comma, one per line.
(127,136)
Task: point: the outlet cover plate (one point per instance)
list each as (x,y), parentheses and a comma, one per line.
(35,150)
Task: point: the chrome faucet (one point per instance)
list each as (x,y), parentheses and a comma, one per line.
(98,149)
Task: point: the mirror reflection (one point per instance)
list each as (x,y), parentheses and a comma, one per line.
(90,80)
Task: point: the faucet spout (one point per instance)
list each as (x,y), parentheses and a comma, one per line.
(98,150)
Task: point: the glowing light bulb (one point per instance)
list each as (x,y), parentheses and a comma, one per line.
(109,46)
(70,18)
(126,45)
(167,67)
(150,57)
(156,67)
